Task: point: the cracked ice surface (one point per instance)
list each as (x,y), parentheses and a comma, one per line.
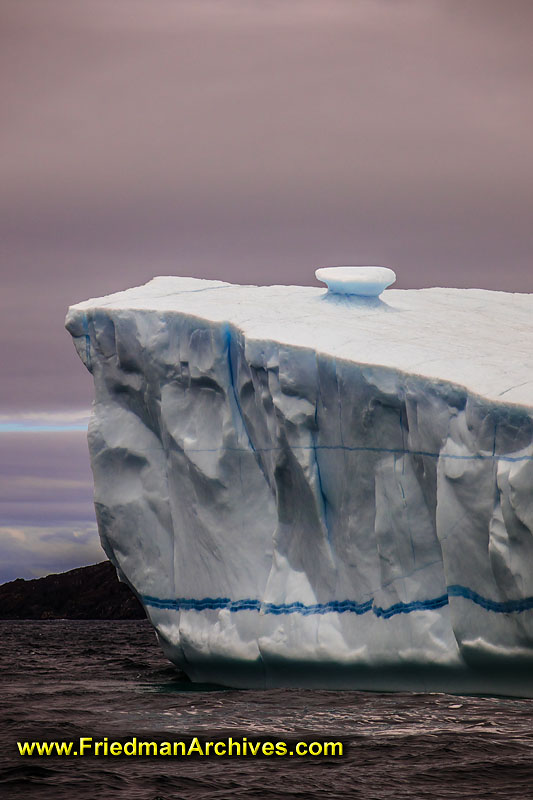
(307,489)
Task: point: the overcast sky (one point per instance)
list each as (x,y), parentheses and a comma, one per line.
(244,140)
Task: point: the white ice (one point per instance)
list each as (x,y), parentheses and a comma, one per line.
(310,489)
(362,281)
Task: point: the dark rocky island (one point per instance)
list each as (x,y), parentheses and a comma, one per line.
(85,593)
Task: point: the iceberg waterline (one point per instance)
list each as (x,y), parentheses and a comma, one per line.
(322,469)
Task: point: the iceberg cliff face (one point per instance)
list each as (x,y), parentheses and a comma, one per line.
(313,490)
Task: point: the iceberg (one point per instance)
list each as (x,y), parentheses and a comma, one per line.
(315,488)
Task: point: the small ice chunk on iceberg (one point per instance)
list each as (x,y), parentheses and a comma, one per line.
(364,281)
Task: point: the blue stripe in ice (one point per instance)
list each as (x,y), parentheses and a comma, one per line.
(505,607)
(340,606)
(397,451)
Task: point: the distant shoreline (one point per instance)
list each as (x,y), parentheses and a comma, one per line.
(85,593)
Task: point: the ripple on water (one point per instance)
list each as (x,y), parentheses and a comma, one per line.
(65,679)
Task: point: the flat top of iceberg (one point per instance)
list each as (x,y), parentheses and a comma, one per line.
(479,339)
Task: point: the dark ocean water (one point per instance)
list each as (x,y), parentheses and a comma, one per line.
(65,679)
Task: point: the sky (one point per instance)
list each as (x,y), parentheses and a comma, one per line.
(241,140)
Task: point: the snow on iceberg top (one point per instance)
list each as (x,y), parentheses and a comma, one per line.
(479,339)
